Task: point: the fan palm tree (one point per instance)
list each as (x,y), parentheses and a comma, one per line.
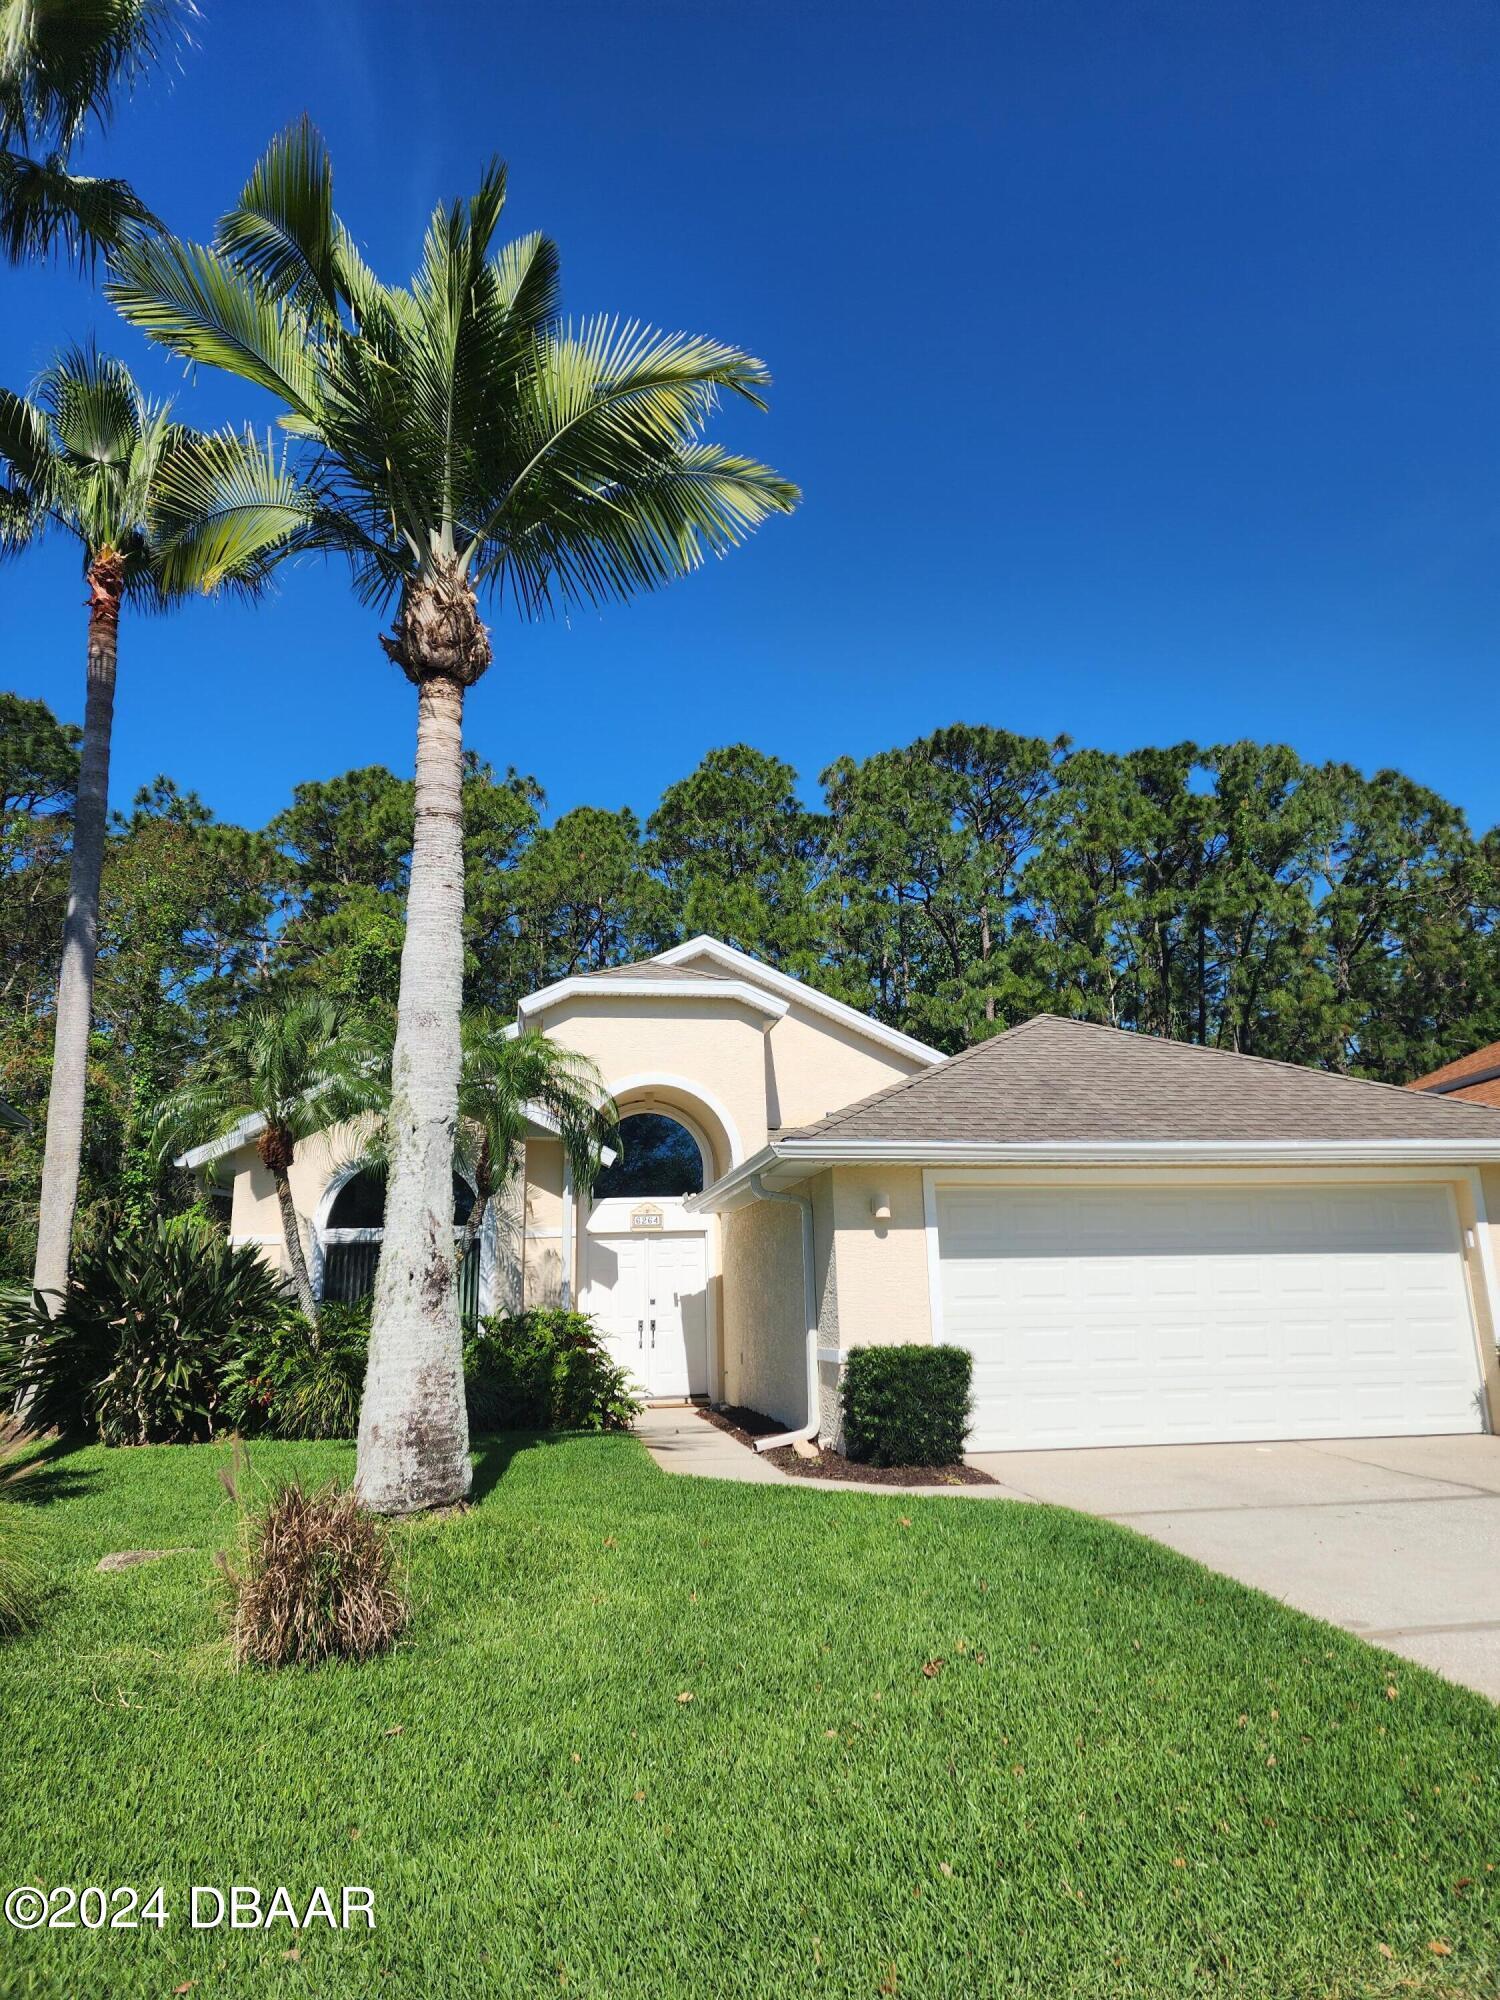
(87,459)
(457,439)
(61,64)
(283,1070)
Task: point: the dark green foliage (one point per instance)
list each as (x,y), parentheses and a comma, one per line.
(314,1580)
(907,1405)
(545,1370)
(288,1382)
(20,1568)
(140,1347)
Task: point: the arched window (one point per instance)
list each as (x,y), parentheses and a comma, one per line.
(360,1202)
(657,1156)
(352,1235)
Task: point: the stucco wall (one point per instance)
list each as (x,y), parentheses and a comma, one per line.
(813,1064)
(765,1333)
(715,1049)
(254,1212)
(882,1266)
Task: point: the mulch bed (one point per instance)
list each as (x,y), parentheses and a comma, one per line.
(748,1425)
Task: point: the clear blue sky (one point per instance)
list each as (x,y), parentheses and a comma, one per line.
(1139,363)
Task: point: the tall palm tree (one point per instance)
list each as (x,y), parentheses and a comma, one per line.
(88,459)
(291,1069)
(457,438)
(62,62)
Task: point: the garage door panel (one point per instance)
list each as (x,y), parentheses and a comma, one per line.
(1146,1315)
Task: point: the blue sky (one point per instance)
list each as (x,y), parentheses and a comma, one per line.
(1138,361)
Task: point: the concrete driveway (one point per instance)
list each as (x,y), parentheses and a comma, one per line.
(1397,1539)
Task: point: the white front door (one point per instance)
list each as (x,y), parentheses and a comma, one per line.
(649,1296)
(1106,1316)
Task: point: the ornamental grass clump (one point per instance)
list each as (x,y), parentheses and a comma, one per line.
(315,1579)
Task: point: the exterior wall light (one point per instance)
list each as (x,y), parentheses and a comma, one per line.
(880,1208)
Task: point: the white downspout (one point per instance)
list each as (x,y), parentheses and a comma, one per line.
(809,1430)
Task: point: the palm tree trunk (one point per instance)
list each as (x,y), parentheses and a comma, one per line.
(413,1423)
(296,1257)
(75,985)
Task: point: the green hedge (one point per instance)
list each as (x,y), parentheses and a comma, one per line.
(907,1405)
(545,1369)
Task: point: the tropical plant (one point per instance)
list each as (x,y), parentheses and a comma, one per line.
(545,1369)
(62,62)
(279,1070)
(314,1578)
(451,437)
(507,1078)
(293,1380)
(136,1350)
(88,460)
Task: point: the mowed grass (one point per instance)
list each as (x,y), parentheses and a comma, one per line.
(934,1747)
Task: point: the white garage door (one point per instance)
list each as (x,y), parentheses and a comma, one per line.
(1151,1316)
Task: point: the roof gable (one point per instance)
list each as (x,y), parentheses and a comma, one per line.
(727,974)
(727,961)
(1051,1080)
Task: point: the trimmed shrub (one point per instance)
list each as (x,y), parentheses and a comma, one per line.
(314,1580)
(20,1568)
(143,1338)
(545,1370)
(287,1382)
(907,1405)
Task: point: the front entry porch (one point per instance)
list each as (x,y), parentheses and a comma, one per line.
(645,1283)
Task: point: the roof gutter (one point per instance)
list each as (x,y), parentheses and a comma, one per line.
(804,1432)
(810,1155)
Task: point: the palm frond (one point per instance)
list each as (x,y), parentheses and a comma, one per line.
(98,413)
(27,458)
(62,61)
(45,209)
(282,233)
(190,299)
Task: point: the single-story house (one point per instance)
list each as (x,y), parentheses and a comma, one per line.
(1475,1078)
(1139,1241)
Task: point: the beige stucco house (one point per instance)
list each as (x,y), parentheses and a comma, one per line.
(1139,1241)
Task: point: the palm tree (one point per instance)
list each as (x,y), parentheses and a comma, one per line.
(457,438)
(505,1076)
(61,64)
(88,459)
(505,1079)
(285,1071)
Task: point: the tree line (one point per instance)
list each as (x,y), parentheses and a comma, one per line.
(1234,895)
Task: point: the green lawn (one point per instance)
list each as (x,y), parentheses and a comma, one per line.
(1126,1777)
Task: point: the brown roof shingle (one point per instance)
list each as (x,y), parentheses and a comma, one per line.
(1477,1063)
(1054,1079)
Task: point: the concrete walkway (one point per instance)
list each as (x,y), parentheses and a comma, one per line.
(1395,1539)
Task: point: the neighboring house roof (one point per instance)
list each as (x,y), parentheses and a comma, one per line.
(1071,1091)
(737,976)
(1474,1078)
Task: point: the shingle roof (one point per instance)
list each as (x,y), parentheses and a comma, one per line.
(1481,1063)
(1053,1079)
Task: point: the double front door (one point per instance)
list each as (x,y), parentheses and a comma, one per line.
(648,1294)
